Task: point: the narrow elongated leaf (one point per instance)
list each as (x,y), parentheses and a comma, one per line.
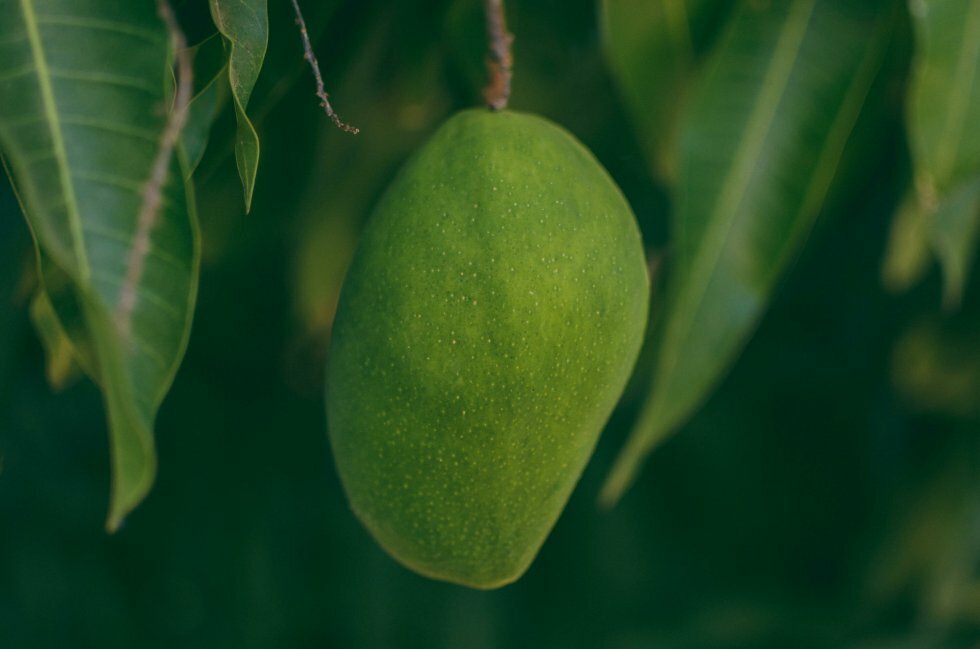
(953,231)
(62,365)
(653,48)
(944,99)
(210,64)
(57,318)
(907,254)
(84,92)
(944,129)
(759,150)
(245,27)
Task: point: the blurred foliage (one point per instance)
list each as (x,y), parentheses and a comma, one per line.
(826,495)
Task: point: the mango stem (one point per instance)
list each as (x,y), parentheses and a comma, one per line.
(321,91)
(499,59)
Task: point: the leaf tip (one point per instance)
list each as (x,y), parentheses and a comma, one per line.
(620,479)
(128,493)
(652,427)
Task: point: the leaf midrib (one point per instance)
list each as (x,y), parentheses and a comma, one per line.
(57,139)
(774,85)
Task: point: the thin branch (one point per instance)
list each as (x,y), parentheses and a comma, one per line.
(500,61)
(315,66)
(149,213)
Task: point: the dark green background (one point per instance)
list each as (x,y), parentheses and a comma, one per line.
(825,496)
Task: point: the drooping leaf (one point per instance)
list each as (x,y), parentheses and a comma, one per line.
(653,48)
(245,27)
(85,89)
(953,230)
(209,65)
(760,147)
(944,98)
(907,254)
(61,367)
(944,129)
(57,318)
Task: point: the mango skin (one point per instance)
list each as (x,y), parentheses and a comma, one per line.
(488,324)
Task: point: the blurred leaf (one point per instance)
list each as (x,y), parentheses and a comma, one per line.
(65,68)
(944,97)
(209,64)
(61,368)
(929,544)
(56,314)
(653,48)
(245,26)
(954,229)
(944,129)
(937,368)
(948,228)
(759,150)
(353,172)
(907,254)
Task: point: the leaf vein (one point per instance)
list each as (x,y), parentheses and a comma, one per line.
(142,293)
(16,73)
(123,237)
(57,139)
(104,25)
(134,186)
(109,127)
(121,81)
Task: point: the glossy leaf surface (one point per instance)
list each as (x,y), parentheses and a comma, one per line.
(84,93)
(245,27)
(653,48)
(210,64)
(759,150)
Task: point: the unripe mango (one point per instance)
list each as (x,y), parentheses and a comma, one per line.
(488,324)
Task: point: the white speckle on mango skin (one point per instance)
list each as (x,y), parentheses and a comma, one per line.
(485,331)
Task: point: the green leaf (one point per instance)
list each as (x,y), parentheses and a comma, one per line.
(759,150)
(653,48)
(62,367)
(944,97)
(245,27)
(209,66)
(84,88)
(57,317)
(907,252)
(944,129)
(953,230)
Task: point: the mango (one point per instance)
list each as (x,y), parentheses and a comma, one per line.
(487,326)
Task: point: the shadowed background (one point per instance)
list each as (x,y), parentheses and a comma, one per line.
(827,495)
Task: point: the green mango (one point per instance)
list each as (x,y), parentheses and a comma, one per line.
(487,326)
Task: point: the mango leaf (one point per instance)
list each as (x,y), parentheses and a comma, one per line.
(84,90)
(210,64)
(57,318)
(944,130)
(62,367)
(760,147)
(944,98)
(907,254)
(653,48)
(954,229)
(245,27)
